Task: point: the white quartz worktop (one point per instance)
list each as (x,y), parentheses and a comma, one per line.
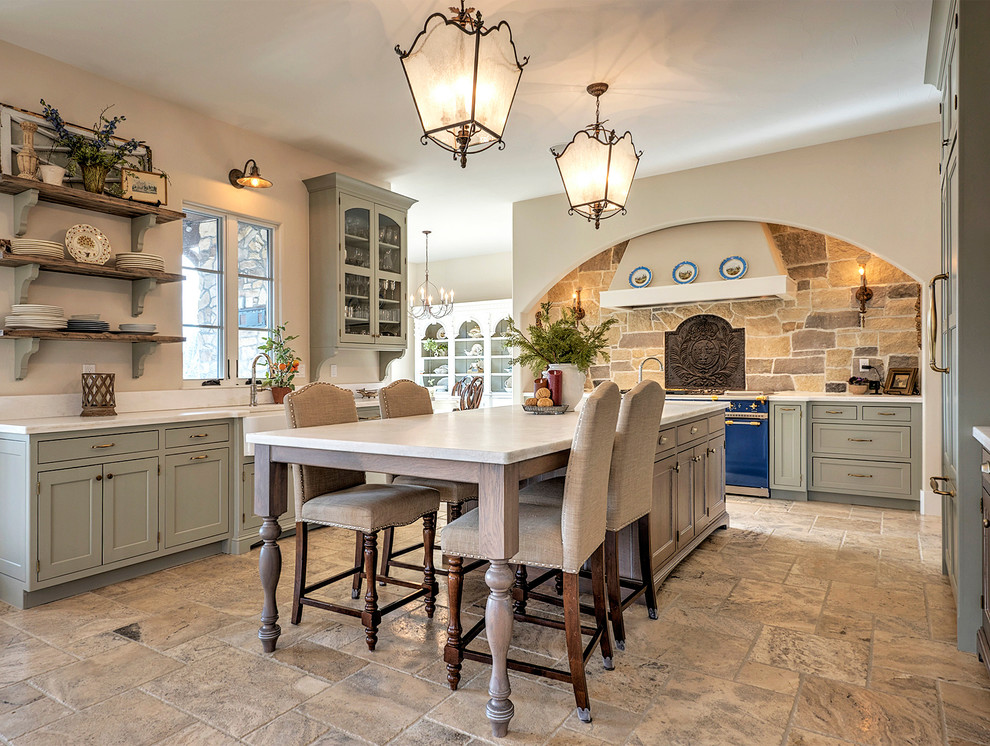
(982,434)
(41,425)
(499,435)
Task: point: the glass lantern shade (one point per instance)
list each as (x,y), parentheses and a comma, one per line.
(463,79)
(597,168)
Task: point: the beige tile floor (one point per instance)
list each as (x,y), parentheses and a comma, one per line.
(802,624)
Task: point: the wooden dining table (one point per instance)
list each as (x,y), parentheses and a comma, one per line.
(494,448)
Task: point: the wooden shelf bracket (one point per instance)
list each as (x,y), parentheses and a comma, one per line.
(23,203)
(140,226)
(139,353)
(140,290)
(24,348)
(23,277)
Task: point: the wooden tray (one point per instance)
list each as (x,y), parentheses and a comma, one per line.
(557,409)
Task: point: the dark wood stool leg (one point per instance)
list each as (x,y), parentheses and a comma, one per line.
(454,511)
(598,590)
(519,590)
(302,539)
(429,574)
(371,617)
(575,648)
(452,651)
(614,589)
(358,562)
(387,536)
(559,583)
(646,565)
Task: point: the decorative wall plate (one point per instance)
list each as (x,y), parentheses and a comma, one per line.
(441,333)
(640,277)
(87,244)
(733,267)
(685,272)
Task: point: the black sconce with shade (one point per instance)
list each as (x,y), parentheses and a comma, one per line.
(246,177)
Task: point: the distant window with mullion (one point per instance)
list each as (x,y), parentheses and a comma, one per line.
(202,296)
(254,291)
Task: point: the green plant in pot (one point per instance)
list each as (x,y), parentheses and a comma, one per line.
(435,347)
(95,154)
(284,365)
(567,344)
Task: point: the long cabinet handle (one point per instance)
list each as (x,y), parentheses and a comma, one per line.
(860,440)
(833,411)
(200,435)
(755,423)
(861,476)
(933,483)
(886,414)
(105,445)
(197,458)
(787,409)
(933,325)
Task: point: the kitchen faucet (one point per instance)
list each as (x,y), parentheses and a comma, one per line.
(254,380)
(659,362)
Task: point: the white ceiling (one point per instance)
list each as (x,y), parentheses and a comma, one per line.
(696,82)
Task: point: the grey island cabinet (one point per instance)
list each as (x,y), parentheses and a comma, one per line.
(97,504)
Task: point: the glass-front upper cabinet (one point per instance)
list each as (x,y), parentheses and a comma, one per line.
(372,260)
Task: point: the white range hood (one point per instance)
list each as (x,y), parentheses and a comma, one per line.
(706,245)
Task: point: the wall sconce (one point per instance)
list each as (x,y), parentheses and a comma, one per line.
(579,313)
(245,178)
(863,293)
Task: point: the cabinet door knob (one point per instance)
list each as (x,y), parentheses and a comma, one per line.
(109,476)
(694,430)
(986,523)
(985,467)
(711,450)
(696,459)
(99,477)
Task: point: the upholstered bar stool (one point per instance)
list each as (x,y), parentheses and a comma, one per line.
(630,499)
(404,398)
(559,536)
(341,498)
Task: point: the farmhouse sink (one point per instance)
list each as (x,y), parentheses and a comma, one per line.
(257,423)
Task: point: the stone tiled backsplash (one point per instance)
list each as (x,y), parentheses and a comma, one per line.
(807,344)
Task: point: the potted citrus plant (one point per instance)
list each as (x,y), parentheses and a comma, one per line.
(284,363)
(567,344)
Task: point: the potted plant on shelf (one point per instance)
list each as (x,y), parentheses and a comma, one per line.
(284,365)
(436,347)
(858,385)
(95,154)
(567,344)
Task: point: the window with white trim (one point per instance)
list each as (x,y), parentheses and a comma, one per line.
(228,296)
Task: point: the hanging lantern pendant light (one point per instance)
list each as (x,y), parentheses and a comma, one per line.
(463,78)
(597,167)
(427,292)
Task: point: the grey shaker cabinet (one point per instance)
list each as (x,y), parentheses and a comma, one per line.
(197,496)
(130,509)
(788,452)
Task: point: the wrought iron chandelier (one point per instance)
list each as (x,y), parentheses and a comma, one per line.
(427,291)
(597,167)
(463,78)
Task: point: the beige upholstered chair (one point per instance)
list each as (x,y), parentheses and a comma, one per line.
(630,499)
(560,536)
(341,498)
(404,398)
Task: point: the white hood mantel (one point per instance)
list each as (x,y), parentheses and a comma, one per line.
(705,244)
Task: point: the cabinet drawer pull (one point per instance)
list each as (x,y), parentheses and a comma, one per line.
(105,445)
(663,440)
(787,409)
(860,476)
(677,467)
(985,467)
(886,414)
(696,459)
(711,450)
(200,435)
(197,458)
(933,483)
(694,430)
(833,411)
(755,423)
(860,440)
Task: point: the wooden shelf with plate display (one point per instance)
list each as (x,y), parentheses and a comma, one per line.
(27,193)
(26,268)
(27,341)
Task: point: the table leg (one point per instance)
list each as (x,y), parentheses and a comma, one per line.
(498,506)
(270,501)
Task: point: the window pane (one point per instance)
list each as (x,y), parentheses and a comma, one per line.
(201,298)
(201,353)
(253,303)
(254,250)
(247,348)
(201,236)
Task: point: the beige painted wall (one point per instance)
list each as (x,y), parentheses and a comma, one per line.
(880,192)
(197,152)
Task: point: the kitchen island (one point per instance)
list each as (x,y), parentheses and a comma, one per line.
(494,448)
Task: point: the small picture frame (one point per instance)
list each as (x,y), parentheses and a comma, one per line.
(900,381)
(144,186)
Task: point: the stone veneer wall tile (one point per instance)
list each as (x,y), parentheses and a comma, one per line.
(811,343)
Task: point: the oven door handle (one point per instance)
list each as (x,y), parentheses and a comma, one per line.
(757,423)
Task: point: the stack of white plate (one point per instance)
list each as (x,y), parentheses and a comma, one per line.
(138,328)
(140,260)
(32,316)
(37,247)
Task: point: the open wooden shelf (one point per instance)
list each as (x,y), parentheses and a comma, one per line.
(61,195)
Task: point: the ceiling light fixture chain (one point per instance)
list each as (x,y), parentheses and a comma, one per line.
(426,309)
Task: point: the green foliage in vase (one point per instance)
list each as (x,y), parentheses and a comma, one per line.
(436,348)
(285,364)
(566,340)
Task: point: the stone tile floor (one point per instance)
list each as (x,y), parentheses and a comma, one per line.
(804,624)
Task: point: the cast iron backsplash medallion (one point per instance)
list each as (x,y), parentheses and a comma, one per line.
(705,352)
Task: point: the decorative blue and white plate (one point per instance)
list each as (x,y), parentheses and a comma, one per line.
(685,272)
(733,267)
(640,277)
